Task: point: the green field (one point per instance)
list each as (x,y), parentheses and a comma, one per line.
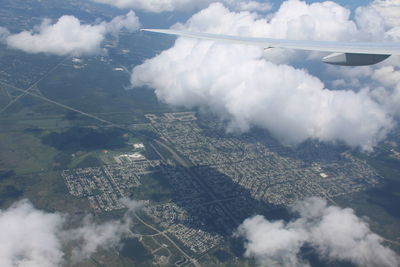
(38,138)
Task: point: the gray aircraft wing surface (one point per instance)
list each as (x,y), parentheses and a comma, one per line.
(344,53)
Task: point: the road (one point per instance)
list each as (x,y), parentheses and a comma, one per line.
(192,260)
(24,92)
(162,143)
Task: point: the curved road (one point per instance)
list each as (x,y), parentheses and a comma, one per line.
(192,260)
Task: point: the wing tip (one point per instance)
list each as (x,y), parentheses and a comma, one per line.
(154,30)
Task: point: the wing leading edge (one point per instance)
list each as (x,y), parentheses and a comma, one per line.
(344,53)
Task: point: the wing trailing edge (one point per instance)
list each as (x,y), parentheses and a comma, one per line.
(344,53)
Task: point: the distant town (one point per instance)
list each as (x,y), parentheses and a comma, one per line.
(221,177)
(77,139)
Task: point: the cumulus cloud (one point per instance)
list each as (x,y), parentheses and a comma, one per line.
(271,242)
(184,5)
(68,36)
(249,87)
(389,9)
(31,237)
(334,233)
(376,22)
(380,20)
(388,77)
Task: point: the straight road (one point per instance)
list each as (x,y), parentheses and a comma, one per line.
(24,92)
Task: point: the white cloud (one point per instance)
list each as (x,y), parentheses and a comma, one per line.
(335,233)
(387,76)
(129,22)
(271,242)
(184,5)
(241,86)
(390,10)
(318,21)
(68,36)
(31,237)
(92,236)
(131,205)
(388,90)
(380,20)
(28,237)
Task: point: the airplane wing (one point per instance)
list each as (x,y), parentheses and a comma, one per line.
(344,53)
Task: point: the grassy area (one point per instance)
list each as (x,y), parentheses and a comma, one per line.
(153,187)
(134,250)
(24,153)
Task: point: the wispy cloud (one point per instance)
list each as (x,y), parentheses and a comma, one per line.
(32,237)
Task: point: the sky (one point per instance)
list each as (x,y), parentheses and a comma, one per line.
(246,87)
